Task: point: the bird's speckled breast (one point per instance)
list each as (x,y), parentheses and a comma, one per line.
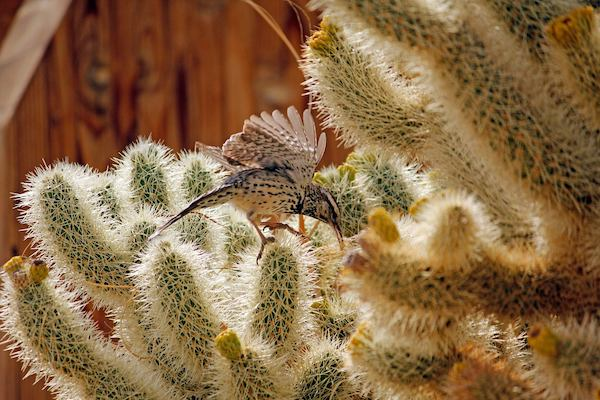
(266,192)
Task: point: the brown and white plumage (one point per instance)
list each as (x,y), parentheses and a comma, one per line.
(273,141)
(272,162)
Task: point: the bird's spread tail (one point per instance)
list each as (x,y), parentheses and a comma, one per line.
(213,198)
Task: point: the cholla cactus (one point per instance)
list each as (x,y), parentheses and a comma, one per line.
(469,208)
(171,298)
(496,98)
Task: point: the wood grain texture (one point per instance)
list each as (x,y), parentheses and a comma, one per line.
(22,48)
(180,70)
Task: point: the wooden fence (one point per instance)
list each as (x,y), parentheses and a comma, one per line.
(178,70)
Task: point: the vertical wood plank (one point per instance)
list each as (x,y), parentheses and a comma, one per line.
(62,129)
(239,65)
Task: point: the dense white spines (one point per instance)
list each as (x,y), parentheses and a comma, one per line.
(351,200)
(574,39)
(481,377)
(195,175)
(51,334)
(497,103)
(393,184)
(143,172)
(334,64)
(72,234)
(247,371)
(177,305)
(509,92)
(322,375)
(280,294)
(394,366)
(367,105)
(237,238)
(107,199)
(453,228)
(567,358)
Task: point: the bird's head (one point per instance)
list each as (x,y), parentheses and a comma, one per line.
(320,204)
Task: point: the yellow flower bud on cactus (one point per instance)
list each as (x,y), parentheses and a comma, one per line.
(353,157)
(14,264)
(319,305)
(38,271)
(543,341)
(228,344)
(319,178)
(360,338)
(383,225)
(321,41)
(347,170)
(417,206)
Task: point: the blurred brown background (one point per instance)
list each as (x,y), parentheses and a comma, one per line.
(181,70)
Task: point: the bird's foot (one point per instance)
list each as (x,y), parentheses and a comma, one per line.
(273,226)
(263,242)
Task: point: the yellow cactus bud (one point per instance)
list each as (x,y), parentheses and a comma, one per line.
(347,170)
(569,29)
(14,264)
(321,40)
(228,344)
(38,271)
(320,305)
(383,225)
(360,338)
(417,206)
(357,158)
(327,26)
(352,157)
(319,178)
(543,341)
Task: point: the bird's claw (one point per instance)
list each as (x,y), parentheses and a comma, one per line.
(266,240)
(273,226)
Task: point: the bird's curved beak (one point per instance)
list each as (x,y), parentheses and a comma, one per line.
(338,233)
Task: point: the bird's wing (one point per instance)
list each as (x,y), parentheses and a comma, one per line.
(216,154)
(274,141)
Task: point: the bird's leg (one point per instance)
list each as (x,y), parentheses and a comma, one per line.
(280,225)
(301,224)
(263,239)
(273,224)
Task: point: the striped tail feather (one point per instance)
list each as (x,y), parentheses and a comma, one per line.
(216,197)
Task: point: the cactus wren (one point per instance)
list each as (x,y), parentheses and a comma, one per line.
(272,162)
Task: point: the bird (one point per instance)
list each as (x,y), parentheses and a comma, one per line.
(271,163)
